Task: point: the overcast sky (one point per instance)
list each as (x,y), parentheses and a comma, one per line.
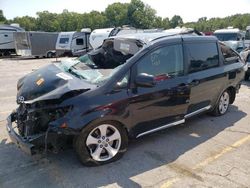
(189,10)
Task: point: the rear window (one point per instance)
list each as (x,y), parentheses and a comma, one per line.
(64,40)
(202,56)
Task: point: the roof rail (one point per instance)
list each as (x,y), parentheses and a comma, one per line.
(181,33)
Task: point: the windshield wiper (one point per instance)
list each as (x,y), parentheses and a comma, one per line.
(71,71)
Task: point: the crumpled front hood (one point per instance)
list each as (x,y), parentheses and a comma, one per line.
(49,82)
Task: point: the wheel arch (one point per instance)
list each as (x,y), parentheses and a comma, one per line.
(108,120)
(232,91)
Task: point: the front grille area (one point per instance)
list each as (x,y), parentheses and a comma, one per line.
(32,121)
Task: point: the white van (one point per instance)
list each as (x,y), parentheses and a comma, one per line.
(232,37)
(72,43)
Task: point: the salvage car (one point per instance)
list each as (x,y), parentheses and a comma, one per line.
(245,55)
(129,87)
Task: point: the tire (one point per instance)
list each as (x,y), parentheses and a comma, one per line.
(222,105)
(94,147)
(49,55)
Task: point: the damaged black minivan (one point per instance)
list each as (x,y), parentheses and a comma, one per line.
(131,86)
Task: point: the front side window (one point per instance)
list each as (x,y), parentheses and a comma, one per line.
(202,56)
(163,63)
(229,55)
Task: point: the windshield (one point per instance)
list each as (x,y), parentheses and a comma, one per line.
(84,68)
(226,36)
(64,40)
(100,64)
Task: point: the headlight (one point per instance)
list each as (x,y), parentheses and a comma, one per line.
(57,113)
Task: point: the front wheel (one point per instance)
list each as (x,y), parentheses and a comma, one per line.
(223,104)
(101,143)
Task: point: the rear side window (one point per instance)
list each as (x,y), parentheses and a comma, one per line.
(229,55)
(202,56)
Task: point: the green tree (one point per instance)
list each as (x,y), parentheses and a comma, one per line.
(116,14)
(176,21)
(166,23)
(2,18)
(47,21)
(26,22)
(140,15)
(68,21)
(97,20)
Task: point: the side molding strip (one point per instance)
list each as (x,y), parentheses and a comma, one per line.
(197,111)
(175,123)
(162,127)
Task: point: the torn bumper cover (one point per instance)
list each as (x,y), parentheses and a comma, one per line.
(29,144)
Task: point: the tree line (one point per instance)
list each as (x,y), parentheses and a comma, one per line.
(136,14)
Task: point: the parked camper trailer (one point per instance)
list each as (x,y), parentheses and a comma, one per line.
(233,37)
(99,35)
(37,44)
(247,37)
(73,43)
(7,45)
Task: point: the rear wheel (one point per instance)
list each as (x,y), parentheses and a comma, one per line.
(101,143)
(223,104)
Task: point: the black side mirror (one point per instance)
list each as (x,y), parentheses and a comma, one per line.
(145,80)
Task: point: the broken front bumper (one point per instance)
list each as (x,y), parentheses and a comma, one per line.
(29,144)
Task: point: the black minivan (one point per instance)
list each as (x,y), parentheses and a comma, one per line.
(131,86)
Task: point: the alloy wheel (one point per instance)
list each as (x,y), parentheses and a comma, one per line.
(224,102)
(103,142)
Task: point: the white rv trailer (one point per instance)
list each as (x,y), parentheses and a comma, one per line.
(99,35)
(73,43)
(232,37)
(36,44)
(7,45)
(247,37)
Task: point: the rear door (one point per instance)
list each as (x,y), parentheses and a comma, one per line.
(205,74)
(166,103)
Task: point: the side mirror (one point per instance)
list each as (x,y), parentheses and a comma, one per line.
(145,80)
